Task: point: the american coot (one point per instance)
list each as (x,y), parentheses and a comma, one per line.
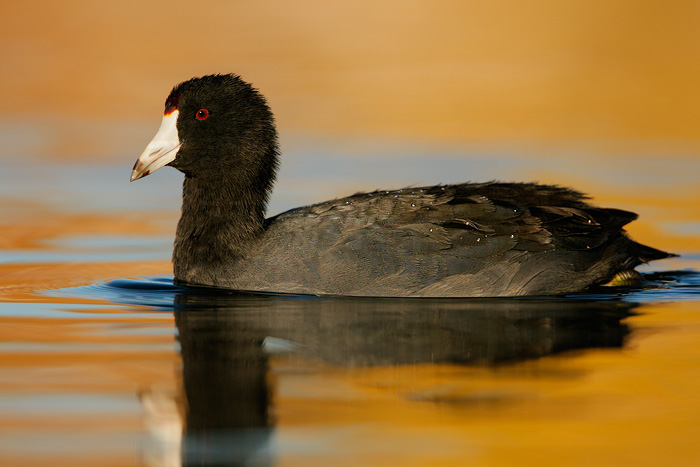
(468,240)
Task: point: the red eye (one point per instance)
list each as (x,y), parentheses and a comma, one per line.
(202,114)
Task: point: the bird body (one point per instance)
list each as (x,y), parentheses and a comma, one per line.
(467,240)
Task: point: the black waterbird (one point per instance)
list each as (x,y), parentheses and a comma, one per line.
(467,240)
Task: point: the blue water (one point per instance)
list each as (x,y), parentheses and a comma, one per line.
(160,292)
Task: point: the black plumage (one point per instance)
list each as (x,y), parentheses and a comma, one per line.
(472,239)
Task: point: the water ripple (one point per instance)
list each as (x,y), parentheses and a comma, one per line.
(161,293)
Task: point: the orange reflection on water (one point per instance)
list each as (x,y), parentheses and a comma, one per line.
(37,229)
(637,406)
(52,368)
(21,282)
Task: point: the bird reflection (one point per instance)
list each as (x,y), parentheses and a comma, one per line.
(224,380)
(225,362)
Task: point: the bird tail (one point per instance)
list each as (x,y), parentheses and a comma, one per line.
(647,253)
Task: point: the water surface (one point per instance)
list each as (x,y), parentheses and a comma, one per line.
(104,361)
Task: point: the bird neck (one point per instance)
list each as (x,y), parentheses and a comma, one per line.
(219,221)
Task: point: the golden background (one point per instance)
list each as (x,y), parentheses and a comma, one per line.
(540,72)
